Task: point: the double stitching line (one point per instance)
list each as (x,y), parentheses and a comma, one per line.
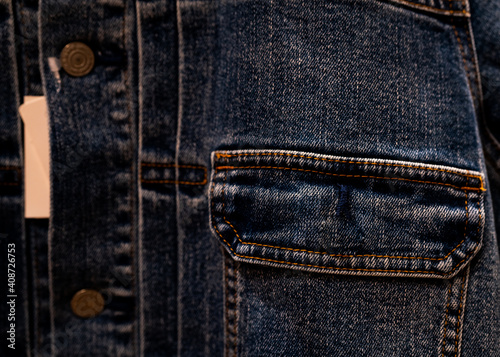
(346,175)
(235,317)
(351,162)
(227,305)
(458,322)
(451,283)
(430,8)
(348,255)
(338,268)
(456,338)
(446,319)
(231,314)
(199,167)
(459,313)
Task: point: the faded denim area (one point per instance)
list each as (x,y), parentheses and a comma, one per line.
(258,178)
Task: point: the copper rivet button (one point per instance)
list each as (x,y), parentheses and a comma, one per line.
(87,303)
(77,59)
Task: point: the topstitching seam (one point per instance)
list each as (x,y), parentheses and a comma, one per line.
(346,255)
(446,318)
(349,175)
(430,8)
(218,155)
(459,313)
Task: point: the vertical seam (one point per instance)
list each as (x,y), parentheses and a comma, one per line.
(475,70)
(131,191)
(226,304)
(26,57)
(467,209)
(180,58)
(462,52)
(36,303)
(12,57)
(139,270)
(234,329)
(459,314)
(51,228)
(229,331)
(235,322)
(235,292)
(446,318)
(451,282)
(473,61)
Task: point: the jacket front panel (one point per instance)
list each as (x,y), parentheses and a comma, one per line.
(258,178)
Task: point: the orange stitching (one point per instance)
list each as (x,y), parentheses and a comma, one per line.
(235,317)
(466,215)
(10,168)
(446,318)
(346,175)
(459,312)
(410,3)
(227,305)
(354,269)
(148,164)
(337,268)
(338,255)
(352,162)
(480,219)
(334,268)
(344,255)
(234,270)
(9,183)
(174,165)
(465,234)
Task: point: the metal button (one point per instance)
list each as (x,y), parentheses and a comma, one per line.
(87,303)
(77,59)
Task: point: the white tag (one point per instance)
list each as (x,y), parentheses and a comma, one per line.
(36,157)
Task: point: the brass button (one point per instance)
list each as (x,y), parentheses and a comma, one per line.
(87,303)
(77,59)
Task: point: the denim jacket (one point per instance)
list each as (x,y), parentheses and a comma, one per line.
(254,178)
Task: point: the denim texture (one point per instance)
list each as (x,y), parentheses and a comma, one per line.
(258,178)
(12,231)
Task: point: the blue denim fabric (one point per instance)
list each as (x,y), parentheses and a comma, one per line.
(258,178)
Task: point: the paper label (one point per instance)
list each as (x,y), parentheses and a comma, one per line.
(36,157)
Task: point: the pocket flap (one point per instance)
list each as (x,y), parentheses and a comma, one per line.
(345,215)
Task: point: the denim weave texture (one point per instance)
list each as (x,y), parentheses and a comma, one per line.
(257,178)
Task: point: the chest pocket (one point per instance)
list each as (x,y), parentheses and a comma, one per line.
(345,215)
